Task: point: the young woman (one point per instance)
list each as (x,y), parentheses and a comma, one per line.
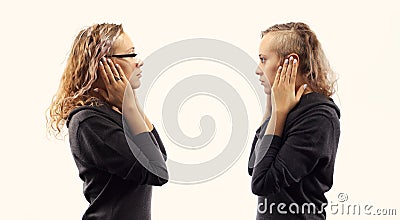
(118,167)
(293,153)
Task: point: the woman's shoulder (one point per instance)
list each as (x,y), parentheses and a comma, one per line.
(90,114)
(315,103)
(312,110)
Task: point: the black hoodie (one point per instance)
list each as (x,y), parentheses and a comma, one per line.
(116,184)
(291,173)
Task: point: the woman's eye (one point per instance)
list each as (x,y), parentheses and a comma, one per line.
(262,59)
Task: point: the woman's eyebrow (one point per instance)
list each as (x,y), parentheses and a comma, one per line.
(131,49)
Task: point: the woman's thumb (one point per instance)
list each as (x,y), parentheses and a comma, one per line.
(102,92)
(300,92)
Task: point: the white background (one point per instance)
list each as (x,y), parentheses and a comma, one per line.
(39,179)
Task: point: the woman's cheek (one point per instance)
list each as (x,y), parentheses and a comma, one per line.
(127,71)
(271,78)
(128,76)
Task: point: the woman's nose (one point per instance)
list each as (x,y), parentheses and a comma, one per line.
(139,63)
(259,71)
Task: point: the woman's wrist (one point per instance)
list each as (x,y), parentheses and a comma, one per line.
(135,120)
(276,123)
(279,112)
(146,120)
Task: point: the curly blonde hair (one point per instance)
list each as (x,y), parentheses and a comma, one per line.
(300,39)
(80,73)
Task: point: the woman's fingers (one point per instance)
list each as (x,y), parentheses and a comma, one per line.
(283,73)
(277,76)
(107,71)
(283,91)
(110,74)
(120,72)
(300,92)
(103,73)
(289,70)
(114,80)
(102,92)
(293,74)
(114,71)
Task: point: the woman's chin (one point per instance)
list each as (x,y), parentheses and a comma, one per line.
(136,85)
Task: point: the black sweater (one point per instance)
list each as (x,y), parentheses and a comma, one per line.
(116,184)
(296,169)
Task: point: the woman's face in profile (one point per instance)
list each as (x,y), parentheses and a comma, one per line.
(269,63)
(130,65)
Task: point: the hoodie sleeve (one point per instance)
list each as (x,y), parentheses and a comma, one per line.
(250,166)
(256,139)
(103,144)
(280,163)
(159,142)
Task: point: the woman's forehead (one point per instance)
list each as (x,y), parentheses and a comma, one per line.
(267,43)
(123,43)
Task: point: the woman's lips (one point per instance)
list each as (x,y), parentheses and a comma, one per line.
(139,74)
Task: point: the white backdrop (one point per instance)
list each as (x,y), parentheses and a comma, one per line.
(39,179)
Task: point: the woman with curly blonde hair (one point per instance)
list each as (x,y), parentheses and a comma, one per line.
(119,156)
(293,153)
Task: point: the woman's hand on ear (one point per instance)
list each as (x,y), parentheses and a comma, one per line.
(284,96)
(120,94)
(115,83)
